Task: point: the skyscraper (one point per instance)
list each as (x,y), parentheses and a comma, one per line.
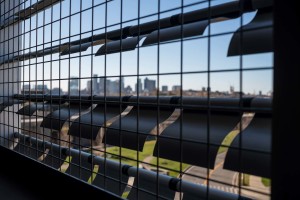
(26,89)
(176,88)
(122,84)
(89,87)
(41,89)
(149,85)
(231,89)
(101,85)
(112,87)
(95,85)
(74,85)
(139,86)
(164,88)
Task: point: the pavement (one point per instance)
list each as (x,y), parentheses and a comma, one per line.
(222,179)
(227,180)
(256,189)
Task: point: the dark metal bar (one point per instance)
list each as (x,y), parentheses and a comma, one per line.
(88,125)
(285,142)
(167,34)
(132,130)
(42,178)
(116,47)
(188,188)
(228,10)
(56,119)
(194,138)
(8,101)
(145,184)
(257,36)
(199,103)
(28,12)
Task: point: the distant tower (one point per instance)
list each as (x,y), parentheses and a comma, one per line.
(101,85)
(41,89)
(88,86)
(149,85)
(108,84)
(164,88)
(128,90)
(139,86)
(231,89)
(115,87)
(95,85)
(26,89)
(74,85)
(122,84)
(176,88)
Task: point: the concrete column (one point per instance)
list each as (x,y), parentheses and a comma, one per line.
(10,73)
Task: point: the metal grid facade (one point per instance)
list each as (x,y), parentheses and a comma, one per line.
(144,99)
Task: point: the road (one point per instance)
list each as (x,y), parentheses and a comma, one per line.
(218,178)
(226,180)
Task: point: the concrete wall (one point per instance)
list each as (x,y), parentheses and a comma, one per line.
(10,73)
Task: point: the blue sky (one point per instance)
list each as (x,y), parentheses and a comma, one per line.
(195,60)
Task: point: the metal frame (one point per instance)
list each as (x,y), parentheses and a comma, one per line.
(285,105)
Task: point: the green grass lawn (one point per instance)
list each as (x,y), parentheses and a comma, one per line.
(125,195)
(172,166)
(95,170)
(246,179)
(64,166)
(228,140)
(266,182)
(130,156)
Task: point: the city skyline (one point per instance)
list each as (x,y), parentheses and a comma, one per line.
(197,68)
(96,86)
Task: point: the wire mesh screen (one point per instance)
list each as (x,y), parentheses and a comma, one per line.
(146,99)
